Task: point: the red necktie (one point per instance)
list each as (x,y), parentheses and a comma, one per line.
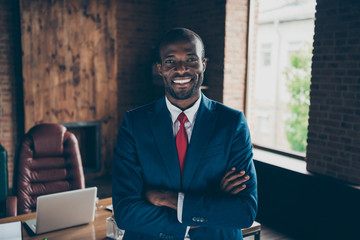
(181,141)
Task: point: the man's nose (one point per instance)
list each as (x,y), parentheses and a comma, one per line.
(180,67)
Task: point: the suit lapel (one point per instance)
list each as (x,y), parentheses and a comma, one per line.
(204,126)
(161,126)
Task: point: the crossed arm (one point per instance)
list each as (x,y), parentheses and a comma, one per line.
(231,183)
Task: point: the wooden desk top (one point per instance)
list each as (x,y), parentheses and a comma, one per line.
(95,230)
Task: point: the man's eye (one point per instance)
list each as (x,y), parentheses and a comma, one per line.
(169,61)
(192,60)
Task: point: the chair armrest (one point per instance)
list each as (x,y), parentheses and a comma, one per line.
(11,206)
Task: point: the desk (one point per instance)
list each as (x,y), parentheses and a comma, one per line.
(93,231)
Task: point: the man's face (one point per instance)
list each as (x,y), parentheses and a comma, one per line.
(182,68)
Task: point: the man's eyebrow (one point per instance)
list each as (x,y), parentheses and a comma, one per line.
(188,54)
(169,56)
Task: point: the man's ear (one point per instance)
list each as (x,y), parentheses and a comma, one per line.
(204,62)
(158,65)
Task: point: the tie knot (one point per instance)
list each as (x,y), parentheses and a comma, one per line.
(182,118)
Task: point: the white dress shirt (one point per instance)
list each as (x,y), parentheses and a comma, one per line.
(189,125)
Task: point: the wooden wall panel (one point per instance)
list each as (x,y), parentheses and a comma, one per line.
(69,64)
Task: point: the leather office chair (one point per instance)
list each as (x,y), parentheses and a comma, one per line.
(49,161)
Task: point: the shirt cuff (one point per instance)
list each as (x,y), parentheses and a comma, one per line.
(187,237)
(180,204)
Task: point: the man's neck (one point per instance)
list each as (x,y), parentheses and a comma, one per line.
(183,104)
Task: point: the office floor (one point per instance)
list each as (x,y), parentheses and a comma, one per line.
(104,190)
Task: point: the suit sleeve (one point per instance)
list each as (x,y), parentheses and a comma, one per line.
(132,212)
(226,210)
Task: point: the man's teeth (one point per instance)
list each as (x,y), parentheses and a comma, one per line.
(182,81)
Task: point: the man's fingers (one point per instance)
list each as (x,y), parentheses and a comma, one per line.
(235,176)
(238,189)
(236,183)
(226,175)
(238,177)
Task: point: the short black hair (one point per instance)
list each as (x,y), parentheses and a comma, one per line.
(175,35)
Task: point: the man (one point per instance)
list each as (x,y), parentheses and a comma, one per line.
(179,162)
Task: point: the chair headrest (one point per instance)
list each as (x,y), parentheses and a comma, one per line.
(48,139)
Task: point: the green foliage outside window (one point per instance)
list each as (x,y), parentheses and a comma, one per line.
(298,76)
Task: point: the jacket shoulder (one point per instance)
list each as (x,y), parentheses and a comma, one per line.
(147,107)
(225,110)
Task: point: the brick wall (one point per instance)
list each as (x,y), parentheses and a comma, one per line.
(139,28)
(236,35)
(334,124)
(11,121)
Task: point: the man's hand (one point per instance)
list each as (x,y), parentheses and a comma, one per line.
(162,198)
(233,182)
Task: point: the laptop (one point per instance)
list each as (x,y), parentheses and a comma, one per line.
(63,210)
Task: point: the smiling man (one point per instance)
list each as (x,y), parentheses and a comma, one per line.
(183,165)
(182,67)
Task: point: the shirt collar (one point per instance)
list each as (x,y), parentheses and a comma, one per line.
(190,112)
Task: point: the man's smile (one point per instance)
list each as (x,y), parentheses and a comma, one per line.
(181,80)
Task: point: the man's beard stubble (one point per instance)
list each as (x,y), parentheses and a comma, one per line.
(182,95)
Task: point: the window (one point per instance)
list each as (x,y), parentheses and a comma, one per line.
(266,54)
(263,122)
(281,36)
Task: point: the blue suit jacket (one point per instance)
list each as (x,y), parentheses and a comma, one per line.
(146,156)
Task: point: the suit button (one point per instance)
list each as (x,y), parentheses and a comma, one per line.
(165,236)
(199,219)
